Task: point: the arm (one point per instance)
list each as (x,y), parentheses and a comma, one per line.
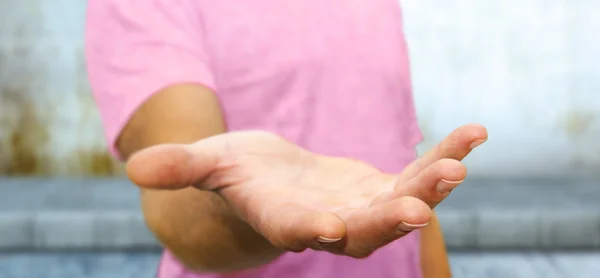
(434,259)
(196,226)
(146,61)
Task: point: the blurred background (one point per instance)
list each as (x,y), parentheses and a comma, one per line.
(529,70)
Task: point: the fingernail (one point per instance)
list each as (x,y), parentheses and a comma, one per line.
(406,227)
(325,240)
(476,143)
(445,186)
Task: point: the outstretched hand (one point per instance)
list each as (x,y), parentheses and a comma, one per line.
(298,200)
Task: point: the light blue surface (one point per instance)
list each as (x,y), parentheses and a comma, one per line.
(483,214)
(79,265)
(143,265)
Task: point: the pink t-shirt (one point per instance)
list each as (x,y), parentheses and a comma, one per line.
(329,75)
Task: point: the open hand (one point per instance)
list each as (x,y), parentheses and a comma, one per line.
(298,200)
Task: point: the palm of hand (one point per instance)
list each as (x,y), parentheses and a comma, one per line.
(299,200)
(274,171)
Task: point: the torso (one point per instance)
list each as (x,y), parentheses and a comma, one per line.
(329,75)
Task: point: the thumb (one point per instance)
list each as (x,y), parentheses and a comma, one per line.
(170,166)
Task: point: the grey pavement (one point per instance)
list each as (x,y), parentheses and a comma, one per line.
(525,265)
(483,214)
(143,265)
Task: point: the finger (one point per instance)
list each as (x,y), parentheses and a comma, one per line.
(371,228)
(170,166)
(432,185)
(294,228)
(457,145)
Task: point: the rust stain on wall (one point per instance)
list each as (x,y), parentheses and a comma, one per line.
(95,163)
(28,146)
(578,123)
(26,138)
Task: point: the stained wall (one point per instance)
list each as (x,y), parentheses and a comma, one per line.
(528,70)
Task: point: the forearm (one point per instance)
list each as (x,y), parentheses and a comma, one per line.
(196,226)
(434,258)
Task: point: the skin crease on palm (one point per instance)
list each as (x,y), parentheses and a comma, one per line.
(298,200)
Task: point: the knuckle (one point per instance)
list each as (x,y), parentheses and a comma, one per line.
(360,254)
(282,245)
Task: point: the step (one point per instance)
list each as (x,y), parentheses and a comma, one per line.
(483,214)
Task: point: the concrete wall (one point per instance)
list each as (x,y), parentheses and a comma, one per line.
(528,69)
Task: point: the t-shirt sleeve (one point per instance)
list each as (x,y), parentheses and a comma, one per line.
(136,48)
